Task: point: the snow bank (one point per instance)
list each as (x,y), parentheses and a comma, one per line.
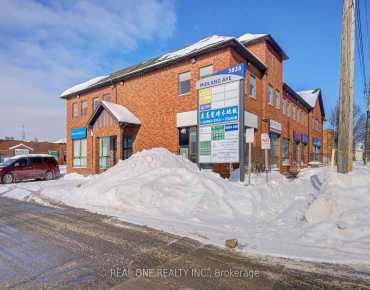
(321,215)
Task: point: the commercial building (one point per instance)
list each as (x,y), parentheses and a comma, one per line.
(10,148)
(154,104)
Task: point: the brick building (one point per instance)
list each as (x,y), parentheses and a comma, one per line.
(10,148)
(154,104)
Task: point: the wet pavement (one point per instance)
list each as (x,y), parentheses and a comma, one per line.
(66,248)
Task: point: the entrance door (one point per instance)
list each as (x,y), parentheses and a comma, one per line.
(127,149)
(274,139)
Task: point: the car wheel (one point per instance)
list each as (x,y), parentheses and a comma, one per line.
(8,178)
(49,175)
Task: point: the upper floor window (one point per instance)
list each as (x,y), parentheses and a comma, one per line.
(277,99)
(184,83)
(74,110)
(95,102)
(283,106)
(83,108)
(252,86)
(106,97)
(205,71)
(269,95)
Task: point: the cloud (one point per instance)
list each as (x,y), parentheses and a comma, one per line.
(48,47)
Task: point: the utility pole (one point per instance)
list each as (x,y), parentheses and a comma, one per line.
(345,130)
(367,131)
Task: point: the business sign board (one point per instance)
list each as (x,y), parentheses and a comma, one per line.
(265,141)
(249,135)
(78,133)
(219,107)
(275,126)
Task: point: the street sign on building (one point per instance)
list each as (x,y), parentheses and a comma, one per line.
(249,135)
(265,141)
(220,110)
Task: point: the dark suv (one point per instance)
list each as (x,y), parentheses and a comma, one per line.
(29,167)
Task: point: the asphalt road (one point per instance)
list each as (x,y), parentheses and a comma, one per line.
(66,248)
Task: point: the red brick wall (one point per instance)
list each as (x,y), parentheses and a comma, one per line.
(38,148)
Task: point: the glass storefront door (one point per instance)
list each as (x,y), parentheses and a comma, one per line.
(274,139)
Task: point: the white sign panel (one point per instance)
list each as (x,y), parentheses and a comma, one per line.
(265,141)
(249,135)
(275,126)
(218,115)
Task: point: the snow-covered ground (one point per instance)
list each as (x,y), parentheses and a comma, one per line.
(321,216)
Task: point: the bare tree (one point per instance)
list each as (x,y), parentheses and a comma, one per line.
(359,124)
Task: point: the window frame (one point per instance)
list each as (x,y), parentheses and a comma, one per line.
(270,91)
(93,103)
(80,157)
(277,95)
(105,96)
(204,67)
(179,83)
(83,111)
(252,77)
(75,112)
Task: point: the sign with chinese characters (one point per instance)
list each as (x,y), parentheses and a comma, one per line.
(265,141)
(219,115)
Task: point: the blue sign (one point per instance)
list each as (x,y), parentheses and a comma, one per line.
(221,115)
(316,142)
(230,74)
(78,133)
(238,69)
(304,139)
(231,127)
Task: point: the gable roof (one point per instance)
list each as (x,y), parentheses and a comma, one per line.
(250,38)
(297,96)
(311,97)
(20,145)
(120,113)
(205,45)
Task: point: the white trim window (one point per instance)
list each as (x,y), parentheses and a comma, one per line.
(74,110)
(277,99)
(84,108)
(205,71)
(79,153)
(21,152)
(184,83)
(252,86)
(269,95)
(283,106)
(95,103)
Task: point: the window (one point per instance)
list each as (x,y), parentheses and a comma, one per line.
(36,160)
(74,110)
(21,151)
(184,83)
(269,95)
(188,142)
(83,108)
(252,86)
(1,158)
(104,150)
(106,97)
(95,102)
(205,71)
(79,153)
(128,142)
(283,106)
(277,99)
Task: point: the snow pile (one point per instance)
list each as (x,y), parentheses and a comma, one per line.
(321,215)
(82,86)
(121,113)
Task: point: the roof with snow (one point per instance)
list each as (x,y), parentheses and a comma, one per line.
(120,113)
(205,45)
(297,96)
(311,97)
(250,38)
(60,141)
(20,145)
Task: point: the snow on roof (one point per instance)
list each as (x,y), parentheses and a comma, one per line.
(121,113)
(60,141)
(20,145)
(82,86)
(249,37)
(310,96)
(208,41)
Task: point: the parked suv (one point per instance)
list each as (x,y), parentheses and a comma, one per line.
(33,166)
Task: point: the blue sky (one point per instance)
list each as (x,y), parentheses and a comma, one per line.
(47,46)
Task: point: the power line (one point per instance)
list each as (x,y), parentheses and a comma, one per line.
(360,45)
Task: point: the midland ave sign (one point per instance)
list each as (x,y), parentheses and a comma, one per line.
(219,110)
